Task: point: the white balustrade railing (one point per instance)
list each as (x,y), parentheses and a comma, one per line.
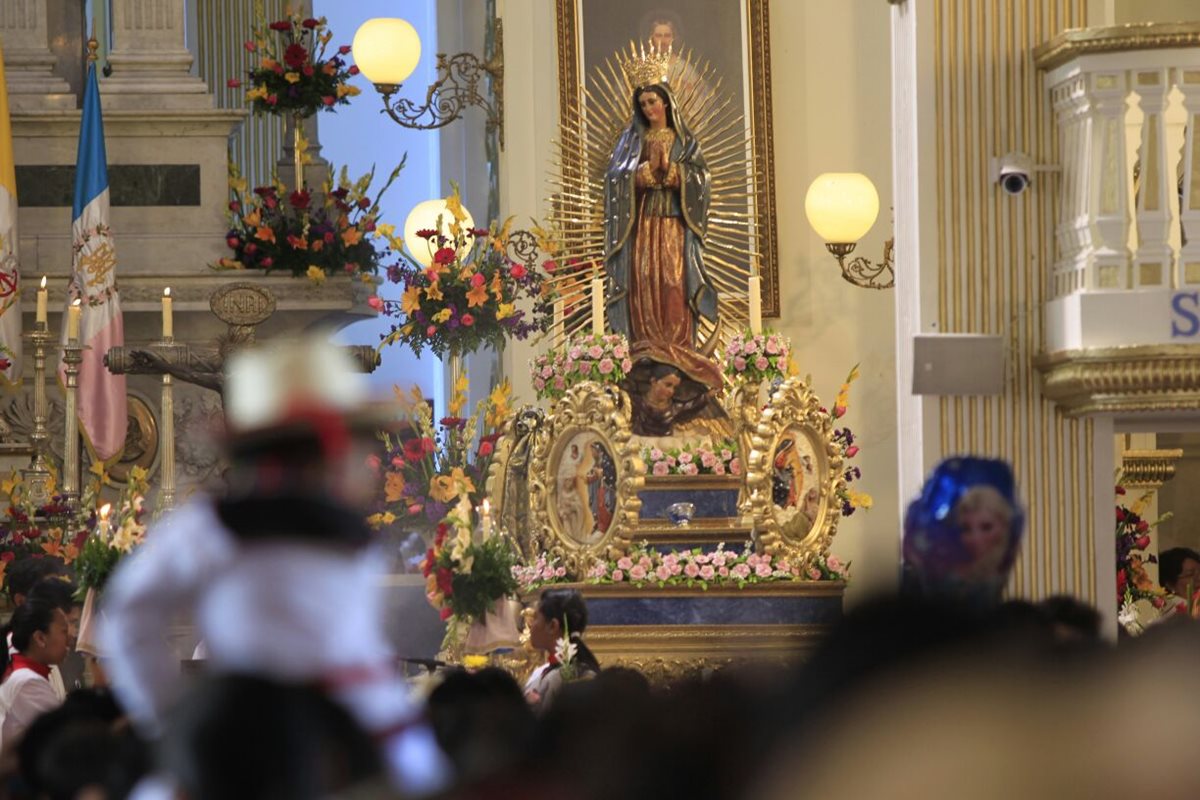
(1126,102)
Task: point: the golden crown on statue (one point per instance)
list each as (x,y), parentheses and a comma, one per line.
(646,67)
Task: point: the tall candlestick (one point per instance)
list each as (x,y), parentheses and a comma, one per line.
(74,312)
(755,304)
(41,302)
(168,316)
(598,306)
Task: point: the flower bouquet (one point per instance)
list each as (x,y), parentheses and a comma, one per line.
(465,577)
(468,295)
(293,74)
(591,357)
(849,499)
(1133,582)
(722,459)
(277,231)
(428,470)
(757,357)
(646,566)
(113,536)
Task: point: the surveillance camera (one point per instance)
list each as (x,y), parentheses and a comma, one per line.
(1014,171)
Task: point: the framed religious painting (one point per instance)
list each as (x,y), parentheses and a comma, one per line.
(713,58)
(584,477)
(794,474)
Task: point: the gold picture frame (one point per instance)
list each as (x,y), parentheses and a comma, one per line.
(794,474)
(754,82)
(584,477)
(508,477)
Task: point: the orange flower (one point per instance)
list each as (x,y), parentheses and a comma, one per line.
(393,487)
(330,68)
(497,286)
(351,236)
(253,219)
(477,296)
(269,63)
(410,301)
(265,234)
(316,245)
(434,292)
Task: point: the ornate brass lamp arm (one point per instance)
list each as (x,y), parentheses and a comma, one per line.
(456,88)
(861,271)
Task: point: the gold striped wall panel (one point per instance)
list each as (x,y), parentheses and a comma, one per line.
(995,253)
(223,27)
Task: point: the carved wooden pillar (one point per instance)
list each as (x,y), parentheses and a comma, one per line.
(1108,192)
(1188,83)
(150,61)
(1157,219)
(28,62)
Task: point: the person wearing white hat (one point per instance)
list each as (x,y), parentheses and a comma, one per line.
(279,574)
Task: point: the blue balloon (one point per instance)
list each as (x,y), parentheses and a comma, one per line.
(962,533)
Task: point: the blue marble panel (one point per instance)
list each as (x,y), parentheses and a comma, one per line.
(735,543)
(708,502)
(716,610)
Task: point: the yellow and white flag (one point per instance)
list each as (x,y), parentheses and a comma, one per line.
(10,274)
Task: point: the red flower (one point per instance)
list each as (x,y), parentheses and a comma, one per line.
(479,233)
(839,411)
(328,100)
(375,302)
(364,203)
(477,279)
(467,320)
(235,206)
(431,330)
(518,271)
(445,581)
(296,56)
(272,99)
(486,448)
(1158,602)
(251,248)
(1143,526)
(343,50)
(427,563)
(233,83)
(550,266)
(397,462)
(7,556)
(300,199)
(250,47)
(353,69)
(427,445)
(443,530)
(233,241)
(445,614)
(267,262)
(310,23)
(1142,542)
(1120,514)
(1120,490)
(413,450)
(281,25)
(444,256)
(426,233)
(852,451)
(308,70)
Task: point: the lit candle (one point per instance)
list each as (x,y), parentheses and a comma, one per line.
(103,528)
(755,304)
(41,302)
(74,312)
(485,518)
(168,317)
(598,306)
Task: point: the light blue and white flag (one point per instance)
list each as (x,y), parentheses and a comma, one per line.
(102,404)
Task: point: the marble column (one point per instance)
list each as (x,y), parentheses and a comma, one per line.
(28,62)
(151,65)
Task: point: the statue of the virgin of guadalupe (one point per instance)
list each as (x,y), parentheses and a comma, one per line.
(656,199)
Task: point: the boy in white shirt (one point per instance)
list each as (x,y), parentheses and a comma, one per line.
(40,636)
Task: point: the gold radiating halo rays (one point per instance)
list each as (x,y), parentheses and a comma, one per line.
(588,131)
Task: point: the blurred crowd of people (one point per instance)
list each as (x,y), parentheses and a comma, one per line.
(942,690)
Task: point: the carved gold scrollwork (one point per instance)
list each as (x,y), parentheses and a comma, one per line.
(589,414)
(793,427)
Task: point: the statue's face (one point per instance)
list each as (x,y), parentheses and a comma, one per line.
(653,107)
(662,390)
(662,36)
